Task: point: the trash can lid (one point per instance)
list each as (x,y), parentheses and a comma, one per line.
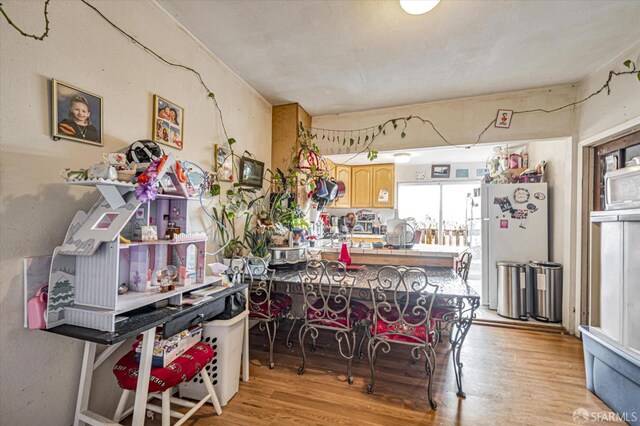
(510,263)
(547,265)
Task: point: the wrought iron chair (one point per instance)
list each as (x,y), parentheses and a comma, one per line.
(327,288)
(443,312)
(462,268)
(402,300)
(265,305)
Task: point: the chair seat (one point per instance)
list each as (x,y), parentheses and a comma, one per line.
(280,304)
(182,369)
(359,312)
(412,333)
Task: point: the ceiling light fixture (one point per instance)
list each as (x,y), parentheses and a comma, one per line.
(418,7)
(402,158)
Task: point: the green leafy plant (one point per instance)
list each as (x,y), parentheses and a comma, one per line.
(257,241)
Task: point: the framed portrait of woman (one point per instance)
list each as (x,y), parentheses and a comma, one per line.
(76,114)
(168,122)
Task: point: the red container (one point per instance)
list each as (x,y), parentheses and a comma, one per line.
(345,257)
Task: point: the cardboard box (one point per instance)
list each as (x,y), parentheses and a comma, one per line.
(167,350)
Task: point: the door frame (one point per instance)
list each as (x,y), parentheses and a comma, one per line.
(584,204)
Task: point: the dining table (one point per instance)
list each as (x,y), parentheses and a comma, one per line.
(453,292)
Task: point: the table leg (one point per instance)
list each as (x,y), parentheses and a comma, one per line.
(86,376)
(245,351)
(461,324)
(144,372)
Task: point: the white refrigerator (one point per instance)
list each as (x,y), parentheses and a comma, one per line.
(514,228)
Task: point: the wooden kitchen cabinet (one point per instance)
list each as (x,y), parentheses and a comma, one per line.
(361,189)
(343,173)
(383,183)
(284,133)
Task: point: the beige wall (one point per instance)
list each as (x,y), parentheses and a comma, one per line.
(604,112)
(39,371)
(461,120)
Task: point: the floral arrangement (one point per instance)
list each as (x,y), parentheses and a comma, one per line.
(146,191)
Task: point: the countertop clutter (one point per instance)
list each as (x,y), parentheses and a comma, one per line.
(416,250)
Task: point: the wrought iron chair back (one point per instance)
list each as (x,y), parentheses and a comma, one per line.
(402,300)
(327,288)
(261,286)
(462,269)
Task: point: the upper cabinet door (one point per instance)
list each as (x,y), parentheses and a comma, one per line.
(383,185)
(343,173)
(361,180)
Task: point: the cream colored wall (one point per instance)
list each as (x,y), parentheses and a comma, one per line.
(461,120)
(39,371)
(623,104)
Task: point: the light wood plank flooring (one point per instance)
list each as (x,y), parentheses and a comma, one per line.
(511,377)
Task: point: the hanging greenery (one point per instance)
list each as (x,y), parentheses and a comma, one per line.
(362,139)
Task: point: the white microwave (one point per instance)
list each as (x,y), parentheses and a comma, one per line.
(622,188)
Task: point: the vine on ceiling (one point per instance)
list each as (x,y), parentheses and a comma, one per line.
(363,138)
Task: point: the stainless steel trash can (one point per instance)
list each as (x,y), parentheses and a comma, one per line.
(546,280)
(512,294)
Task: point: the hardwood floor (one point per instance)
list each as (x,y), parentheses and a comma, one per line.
(511,377)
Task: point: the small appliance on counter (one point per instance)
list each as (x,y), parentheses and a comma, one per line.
(288,257)
(399,233)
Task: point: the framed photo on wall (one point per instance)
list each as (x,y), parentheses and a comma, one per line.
(439,171)
(251,172)
(503,120)
(223,164)
(76,114)
(168,122)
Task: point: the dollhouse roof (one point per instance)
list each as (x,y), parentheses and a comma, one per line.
(111,213)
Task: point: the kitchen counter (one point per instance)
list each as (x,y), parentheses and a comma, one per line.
(418,255)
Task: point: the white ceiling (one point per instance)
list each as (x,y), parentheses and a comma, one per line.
(335,56)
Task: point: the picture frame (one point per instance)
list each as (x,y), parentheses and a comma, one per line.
(167,127)
(462,173)
(223,164)
(251,172)
(440,171)
(503,119)
(76,114)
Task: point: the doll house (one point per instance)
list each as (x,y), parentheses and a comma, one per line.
(103,252)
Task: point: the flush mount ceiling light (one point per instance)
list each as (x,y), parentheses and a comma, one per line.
(402,158)
(418,7)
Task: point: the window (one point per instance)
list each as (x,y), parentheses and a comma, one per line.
(441,208)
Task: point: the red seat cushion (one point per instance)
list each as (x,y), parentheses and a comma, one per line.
(182,369)
(359,312)
(280,303)
(413,333)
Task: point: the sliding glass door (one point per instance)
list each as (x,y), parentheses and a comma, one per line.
(440,208)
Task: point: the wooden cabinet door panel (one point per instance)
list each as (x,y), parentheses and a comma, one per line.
(361,186)
(343,173)
(383,182)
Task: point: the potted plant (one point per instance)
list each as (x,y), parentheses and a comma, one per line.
(257,240)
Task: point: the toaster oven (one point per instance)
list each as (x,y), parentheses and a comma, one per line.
(622,188)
